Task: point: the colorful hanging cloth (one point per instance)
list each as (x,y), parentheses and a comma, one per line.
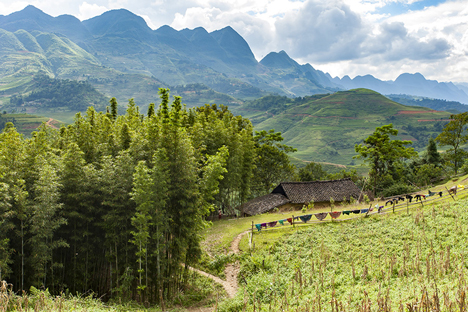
(364,210)
(305,218)
(290,220)
(321,216)
(346,212)
(272,223)
(264,225)
(372,208)
(335,214)
(461,187)
(258,226)
(356,211)
(282,221)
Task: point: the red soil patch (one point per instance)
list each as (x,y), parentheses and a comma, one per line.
(327,117)
(420,120)
(31,126)
(402,112)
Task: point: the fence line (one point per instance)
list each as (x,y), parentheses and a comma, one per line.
(398,208)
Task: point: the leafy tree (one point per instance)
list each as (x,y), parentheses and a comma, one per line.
(312,172)
(455,134)
(45,220)
(432,155)
(383,153)
(272,162)
(114,107)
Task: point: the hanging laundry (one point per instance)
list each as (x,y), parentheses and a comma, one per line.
(290,220)
(264,225)
(409,198)
(420,197)
(321,216)
(461,187)
(453,190)
(282,221)
(346,212)
(381,207)
(258,226)
(335,214)
(364,210)
(305,218)
(296,218)
(356,211)
(372,208)
(272,223)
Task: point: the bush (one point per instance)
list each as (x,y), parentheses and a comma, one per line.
(398,189)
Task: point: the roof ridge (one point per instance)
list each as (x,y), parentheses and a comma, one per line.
(316,181)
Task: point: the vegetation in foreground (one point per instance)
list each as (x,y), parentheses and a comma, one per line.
(414,262)
(201,292)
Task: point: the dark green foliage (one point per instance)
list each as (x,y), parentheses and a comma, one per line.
(114,204)
(397,189)
(384,155)
(114,108)
(432,155)
(272,162)
(455,134)
(52,93)
(312,172)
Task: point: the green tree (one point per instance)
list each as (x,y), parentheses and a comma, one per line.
(432,155)
(45,220)
(272,162)
(312,172)
(114,108)
(382,153)
(455,134)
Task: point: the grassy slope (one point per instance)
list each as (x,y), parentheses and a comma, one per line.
(327,129)
(26,123)
(332,249)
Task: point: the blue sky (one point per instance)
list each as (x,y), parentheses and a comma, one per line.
(398,7)
(383,38)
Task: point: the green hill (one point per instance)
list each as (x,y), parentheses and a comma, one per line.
(325,128)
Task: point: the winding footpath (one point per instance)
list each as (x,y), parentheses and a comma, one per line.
(231,271)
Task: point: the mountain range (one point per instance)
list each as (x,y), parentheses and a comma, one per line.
(121,56)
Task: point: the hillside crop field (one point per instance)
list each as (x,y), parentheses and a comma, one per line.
(394,262)
(326,129)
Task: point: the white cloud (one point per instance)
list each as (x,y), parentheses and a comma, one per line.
(90,10)
(339,36)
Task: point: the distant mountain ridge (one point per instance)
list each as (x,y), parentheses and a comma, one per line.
(119,46)
(412,84)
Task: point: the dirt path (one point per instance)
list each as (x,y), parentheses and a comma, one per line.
(49,123)
(231,271)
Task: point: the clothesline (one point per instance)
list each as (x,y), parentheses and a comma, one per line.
(335,214)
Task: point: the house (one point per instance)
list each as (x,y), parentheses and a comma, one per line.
(293,195)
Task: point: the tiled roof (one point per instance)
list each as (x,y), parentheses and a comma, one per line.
(264,203)
(318,191)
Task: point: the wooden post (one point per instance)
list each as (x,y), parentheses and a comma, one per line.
(293,222)
(407,206)
(393,206)
(251,236)
(449,193)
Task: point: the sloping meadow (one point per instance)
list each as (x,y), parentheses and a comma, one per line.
(415,262)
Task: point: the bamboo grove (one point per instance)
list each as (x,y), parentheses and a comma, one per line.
(114,204)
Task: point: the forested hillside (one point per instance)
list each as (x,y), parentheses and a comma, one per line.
(114,204)
(326,127)
(59,94)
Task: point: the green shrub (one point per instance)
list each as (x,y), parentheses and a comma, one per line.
(397,189)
